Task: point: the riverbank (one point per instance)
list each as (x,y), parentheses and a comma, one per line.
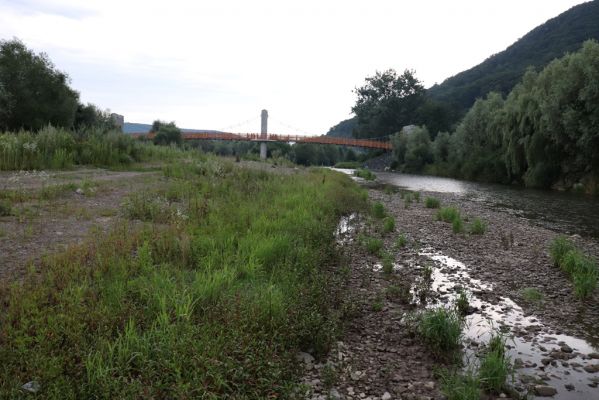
(512,285)
(207,282)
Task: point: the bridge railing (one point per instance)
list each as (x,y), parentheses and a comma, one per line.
(367,143)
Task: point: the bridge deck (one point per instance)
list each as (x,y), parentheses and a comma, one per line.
(256,137)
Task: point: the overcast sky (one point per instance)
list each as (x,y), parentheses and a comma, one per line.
(216,64)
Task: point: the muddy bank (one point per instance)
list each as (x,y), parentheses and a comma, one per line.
(552,341)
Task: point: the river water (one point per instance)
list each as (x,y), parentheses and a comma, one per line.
(564,212)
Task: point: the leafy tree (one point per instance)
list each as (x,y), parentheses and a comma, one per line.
(87,116)
(441,147)
(34,93)
(418,150)
(387,102)
(166,133)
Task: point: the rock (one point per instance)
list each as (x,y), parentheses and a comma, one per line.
(593,355)
(79,191)
(305,357)
(334,394)
(545,391)
(356,375)
(386,396)
(591,369)
(32,387)
(429,385)
(569,386)
(566,349)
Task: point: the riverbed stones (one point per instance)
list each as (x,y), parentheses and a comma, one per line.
(545,391)
(591,368)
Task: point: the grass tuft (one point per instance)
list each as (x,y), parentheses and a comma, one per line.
(432,202)
(441,329)
(389,225)
(478,226)
(378,210)
(364,174)
(457,225)
(447,214)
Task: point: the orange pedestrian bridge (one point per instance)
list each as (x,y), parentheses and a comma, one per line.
(383,144)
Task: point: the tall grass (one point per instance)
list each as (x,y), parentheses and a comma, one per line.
(432,202)
(581,268)
(55,148)
(447,214)
(212,306)
(441,330)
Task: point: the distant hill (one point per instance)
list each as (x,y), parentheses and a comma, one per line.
(500,72)
(343,128)
(134,127)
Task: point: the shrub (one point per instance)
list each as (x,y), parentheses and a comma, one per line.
(378,210)
(447,214)
(432,202)
(441,329)
(478,226)
(389,225)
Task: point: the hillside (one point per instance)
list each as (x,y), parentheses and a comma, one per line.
(500,72)
(343,128)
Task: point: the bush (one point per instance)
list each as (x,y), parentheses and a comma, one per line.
(432,202)
(478,226)
(441,329)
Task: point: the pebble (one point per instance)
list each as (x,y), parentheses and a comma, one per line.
(545,391)
(32,387)
(386,396)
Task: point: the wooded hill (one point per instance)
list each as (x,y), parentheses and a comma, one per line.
(500,72)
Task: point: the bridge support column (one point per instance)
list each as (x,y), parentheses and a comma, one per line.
(263,134)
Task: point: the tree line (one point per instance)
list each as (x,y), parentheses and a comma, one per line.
(545,133)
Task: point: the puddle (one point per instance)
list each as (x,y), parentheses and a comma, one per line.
(345,228)
(539,354)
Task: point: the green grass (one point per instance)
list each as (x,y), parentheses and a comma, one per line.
(212,306)
(532,295)
(399,292)
(373,245)
(495,366)
(581,269)
(441,330)
(387,264)
(364,174)
(5,208)
(416,197)
(388,225)
(457,225)
(408,200)
(478,226)
(447,214)
(432,202)
(378,210)
(460,386)
(462,303)
(401,241)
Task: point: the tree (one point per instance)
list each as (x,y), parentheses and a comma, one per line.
(387,102)
(34,93)
(166,133)
(87,116)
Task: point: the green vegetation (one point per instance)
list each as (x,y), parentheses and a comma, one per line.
(462,304)
(441,329)
(532,295)
(495,366)
(478,226)
(460,386)
(378,210)
(389,224)
(432,202)
(540,135)
(348,165)
(387,264)
(447,214)
(408,200)
(399,292)
(212,302)
(166,133)
(373,245)
(457,225)
(401,241)
(364,174)
(581,268)
(500,72)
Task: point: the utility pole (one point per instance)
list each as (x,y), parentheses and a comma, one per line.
(263,134)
